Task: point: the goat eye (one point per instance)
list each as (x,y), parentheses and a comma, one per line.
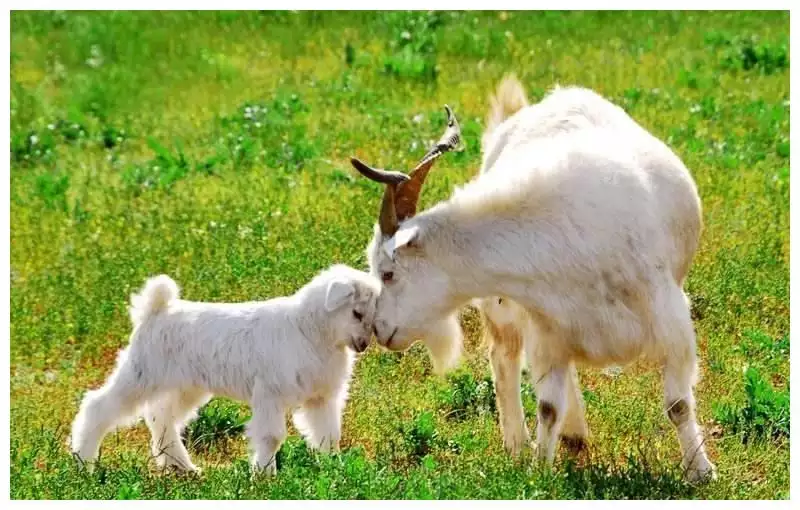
(387,276)
(358,315)
(499,301)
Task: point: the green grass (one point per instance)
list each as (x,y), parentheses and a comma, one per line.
(214,147)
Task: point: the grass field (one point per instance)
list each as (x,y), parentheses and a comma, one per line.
(214,147)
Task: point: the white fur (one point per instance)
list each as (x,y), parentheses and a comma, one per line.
(285,353)
(588,223)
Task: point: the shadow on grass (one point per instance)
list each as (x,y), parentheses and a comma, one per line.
(636,479)
(42,468)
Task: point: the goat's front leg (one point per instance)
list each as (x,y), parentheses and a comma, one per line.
(505,353)
(319,420)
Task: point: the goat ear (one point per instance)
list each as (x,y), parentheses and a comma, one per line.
(408,236)
(338,294)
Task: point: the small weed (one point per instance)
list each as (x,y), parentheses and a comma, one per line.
(413,49)
(763,56)
(111,137)
(162,171)
(782,148)
(467,396)
(764,415)
(52,189)
(466,41)
(717,38)
(349,54)
(419,436)
(129,491)
(216,421)
(688,78)
(631,97)
(635,479)
(750,53)
(33,147)
(71,131)
(757,344)
(709,108)
(528,393)
(269,133)
(296,454)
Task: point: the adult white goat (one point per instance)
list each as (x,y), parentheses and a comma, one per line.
(579,217)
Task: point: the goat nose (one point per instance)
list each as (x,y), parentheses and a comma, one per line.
(375,330)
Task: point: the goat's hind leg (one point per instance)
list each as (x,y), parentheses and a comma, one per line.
(266,430)
(115,403)
(551,390)
(677,336)
(575,431)
(679,404)
(166,417)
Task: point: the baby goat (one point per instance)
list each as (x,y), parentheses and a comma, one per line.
(291,352)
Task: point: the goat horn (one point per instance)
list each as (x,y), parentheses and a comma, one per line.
(402,191)
(408,192)
(450,140)
(377,174)
(387,220)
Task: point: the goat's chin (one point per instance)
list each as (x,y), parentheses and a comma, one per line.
(398,343)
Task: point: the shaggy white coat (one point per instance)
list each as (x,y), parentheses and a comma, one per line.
(584,220)
(288,353)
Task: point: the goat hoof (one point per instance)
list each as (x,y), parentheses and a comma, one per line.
(701,475)
(516,443)
(263,471)
(575,445)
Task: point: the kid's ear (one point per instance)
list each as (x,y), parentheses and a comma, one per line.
(338,294)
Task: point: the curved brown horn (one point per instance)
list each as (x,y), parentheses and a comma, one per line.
(450,140)
(387,219)
(377,174)
(408,192)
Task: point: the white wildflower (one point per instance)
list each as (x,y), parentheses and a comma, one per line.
(244,231)
(96,58)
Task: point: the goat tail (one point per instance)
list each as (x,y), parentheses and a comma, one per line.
(155,297)
(509,98)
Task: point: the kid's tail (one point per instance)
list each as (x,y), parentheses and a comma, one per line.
(158,292)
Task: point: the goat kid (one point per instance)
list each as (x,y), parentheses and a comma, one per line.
(293,352)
